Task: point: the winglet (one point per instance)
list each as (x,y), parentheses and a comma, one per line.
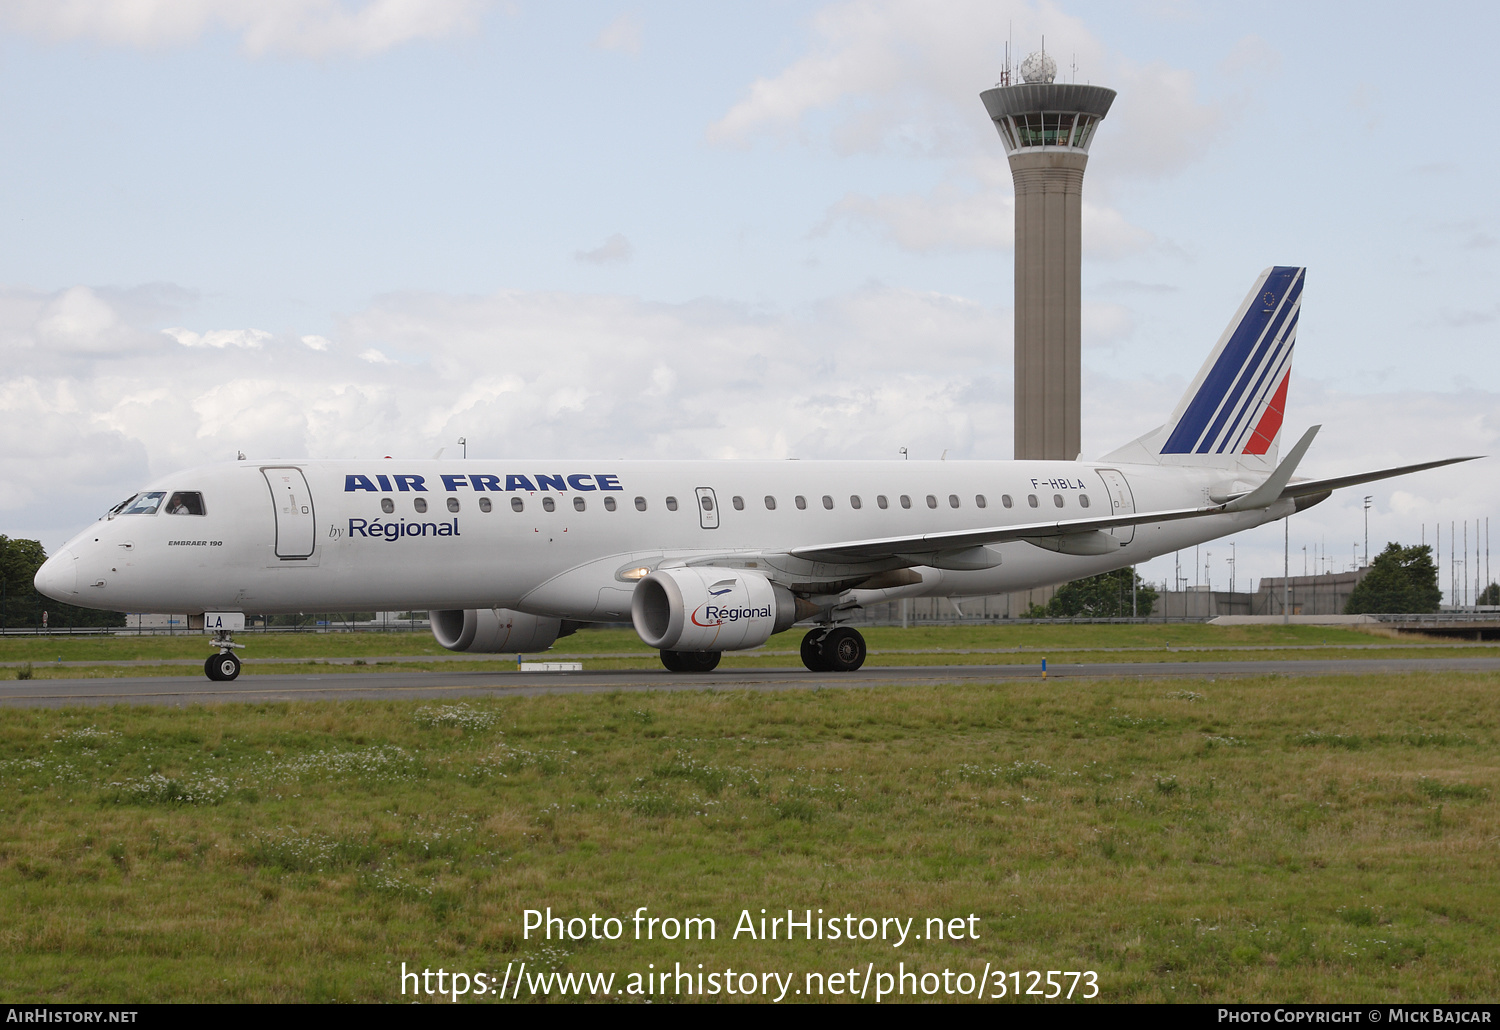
(1269,492)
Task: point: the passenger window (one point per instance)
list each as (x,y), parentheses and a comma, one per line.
(953,500)
(671,504)
(828,502)
(485,504)
(1057,500)
(770,503)
(579,504)
(931,501)
(855,502)
(387,505)
(146,504)
(609,504)
(707,502)
(979,501)
(516,504)
(453,504)
(1031,500)
(640,504)
(1005,500)
(549,504)
(1083,500)
(739,503)
(801,503)
(185,502)
(420,504)
(905,501)
(881,502)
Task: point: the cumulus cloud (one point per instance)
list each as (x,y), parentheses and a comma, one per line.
(882,76)
(614,251)
(218,339)
(977,216)
(623,34)
(885,75)
(312,28)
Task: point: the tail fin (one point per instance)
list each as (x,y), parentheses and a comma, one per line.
(1231,414)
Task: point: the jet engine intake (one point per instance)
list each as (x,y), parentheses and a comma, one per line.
(708,609)
(494,630)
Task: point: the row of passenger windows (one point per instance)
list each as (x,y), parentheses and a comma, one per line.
(388,505)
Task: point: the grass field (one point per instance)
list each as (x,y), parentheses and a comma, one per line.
(622,649)
(1278,839)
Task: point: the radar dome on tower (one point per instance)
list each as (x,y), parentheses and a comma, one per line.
(1038,68)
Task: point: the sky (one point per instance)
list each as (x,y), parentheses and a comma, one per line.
(350,228)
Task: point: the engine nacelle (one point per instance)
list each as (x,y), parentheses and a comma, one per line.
(494,630)
(705,609)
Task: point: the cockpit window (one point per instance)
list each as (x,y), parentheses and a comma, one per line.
(146,504)
(185,502)
(117,509)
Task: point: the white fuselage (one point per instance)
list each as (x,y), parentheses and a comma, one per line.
(315,536)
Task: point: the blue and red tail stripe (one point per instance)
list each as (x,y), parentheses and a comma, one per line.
(1238,405)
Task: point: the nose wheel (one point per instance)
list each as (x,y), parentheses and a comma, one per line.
(223,666)
(840,649)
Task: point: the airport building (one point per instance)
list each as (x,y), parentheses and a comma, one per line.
(1047,127)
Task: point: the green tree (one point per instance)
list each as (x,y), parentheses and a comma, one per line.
(1491,595)
(1105,596)
(22,606)
(1401,580)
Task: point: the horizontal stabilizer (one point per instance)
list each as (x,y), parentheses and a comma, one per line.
(1269,492)
(1318,486)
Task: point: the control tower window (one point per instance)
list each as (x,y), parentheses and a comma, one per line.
(1008,132)
(185,502)
(1084,131)
(146,504)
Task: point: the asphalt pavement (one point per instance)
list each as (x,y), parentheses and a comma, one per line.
(456,683)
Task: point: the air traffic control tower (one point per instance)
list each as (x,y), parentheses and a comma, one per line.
(1047,128)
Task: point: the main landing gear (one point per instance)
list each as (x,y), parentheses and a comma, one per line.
(223,666)
(690,661)
(836,649)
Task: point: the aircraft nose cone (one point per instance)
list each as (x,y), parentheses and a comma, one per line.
(58,576)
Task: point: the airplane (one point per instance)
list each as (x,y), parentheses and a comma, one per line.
(702,557)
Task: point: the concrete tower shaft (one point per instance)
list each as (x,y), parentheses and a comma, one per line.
(1047,129)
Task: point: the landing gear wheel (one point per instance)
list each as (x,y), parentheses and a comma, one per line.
(812,651)
(222,667)
(843,650)
(691,661)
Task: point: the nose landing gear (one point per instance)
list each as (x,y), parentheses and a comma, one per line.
(840,649)
(223,666)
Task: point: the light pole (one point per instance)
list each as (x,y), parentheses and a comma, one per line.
(1367,529)
(463,441)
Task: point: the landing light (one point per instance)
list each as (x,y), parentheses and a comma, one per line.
(640,573)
